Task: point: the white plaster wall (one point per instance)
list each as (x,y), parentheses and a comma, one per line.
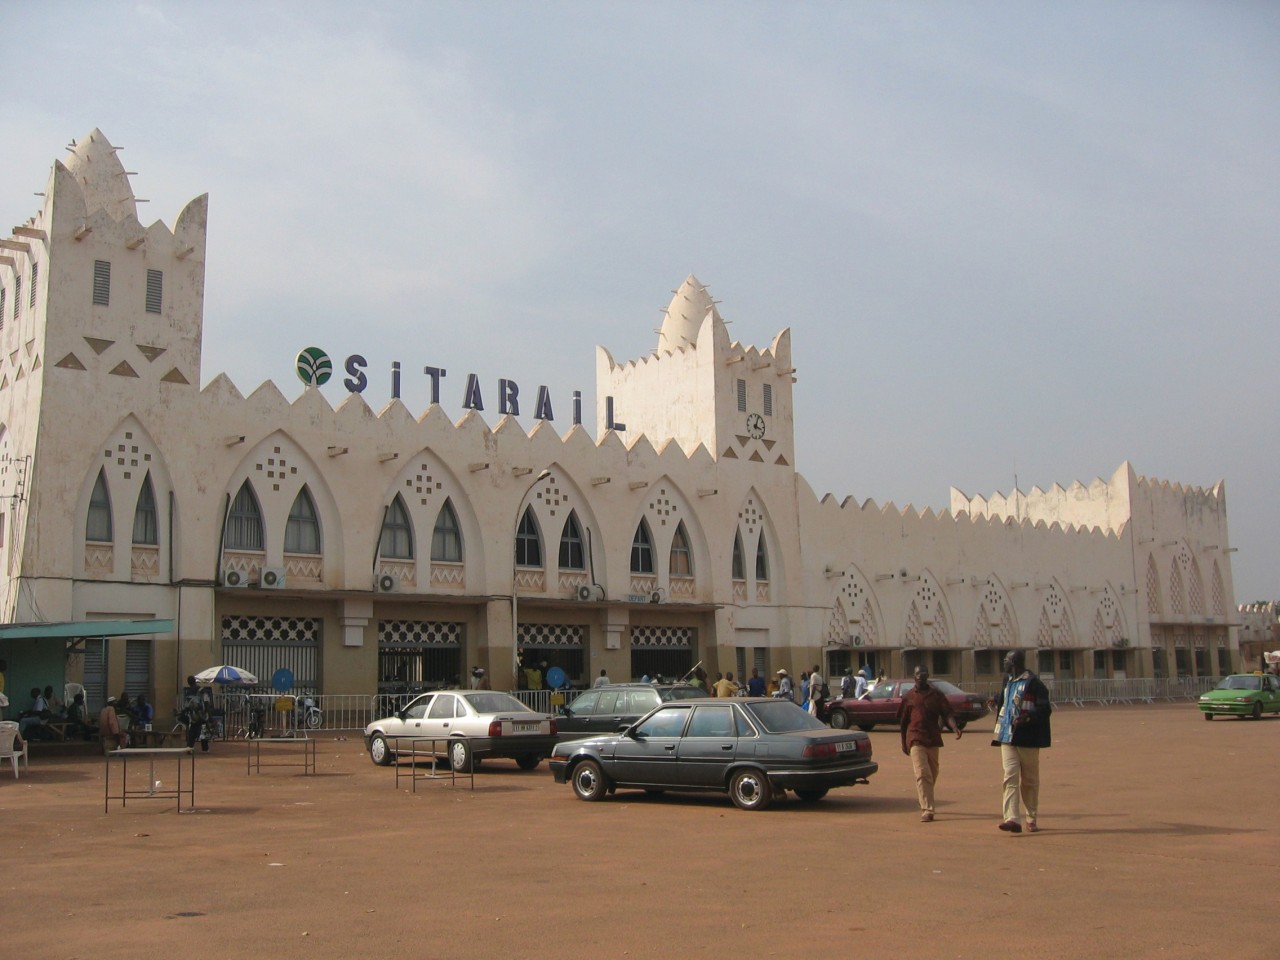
(1079,544)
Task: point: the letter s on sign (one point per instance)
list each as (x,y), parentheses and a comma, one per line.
(355,366)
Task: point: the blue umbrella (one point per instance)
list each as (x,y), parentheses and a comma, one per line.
(227,675)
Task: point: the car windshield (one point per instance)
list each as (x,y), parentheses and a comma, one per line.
(1241,683)
(495,703)
(783,716)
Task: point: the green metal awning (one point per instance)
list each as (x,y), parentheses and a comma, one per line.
(84,628)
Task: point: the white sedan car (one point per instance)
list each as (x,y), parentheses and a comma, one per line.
(465,725)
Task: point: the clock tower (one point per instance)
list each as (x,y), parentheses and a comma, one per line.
(700,388)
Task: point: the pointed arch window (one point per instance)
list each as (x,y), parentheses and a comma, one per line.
(739,563)
(244,521)
(642,550)
(98,525)
(396,542)
(302,532)
(681,555)
(528,541)
(146,529)
(572,554)
(446,538)
(762,560)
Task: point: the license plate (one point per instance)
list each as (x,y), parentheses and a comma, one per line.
(846,746)
(526,727)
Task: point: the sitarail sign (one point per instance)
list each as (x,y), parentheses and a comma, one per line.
(315,368)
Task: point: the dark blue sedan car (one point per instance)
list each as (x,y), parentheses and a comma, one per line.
(754,749)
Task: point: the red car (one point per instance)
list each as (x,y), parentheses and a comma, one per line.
(882,704)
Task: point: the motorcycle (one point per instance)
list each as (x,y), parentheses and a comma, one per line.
(307,713)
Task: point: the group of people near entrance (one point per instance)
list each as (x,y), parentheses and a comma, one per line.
(1021,732)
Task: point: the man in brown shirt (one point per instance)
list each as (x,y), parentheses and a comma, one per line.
(925,713)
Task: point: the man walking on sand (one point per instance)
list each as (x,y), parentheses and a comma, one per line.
(924,714)
(1022,731)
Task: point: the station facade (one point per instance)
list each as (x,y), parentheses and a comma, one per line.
(386,550)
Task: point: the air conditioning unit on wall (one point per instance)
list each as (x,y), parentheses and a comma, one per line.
(386,583)
(234,578)
(591,592)
(272,578)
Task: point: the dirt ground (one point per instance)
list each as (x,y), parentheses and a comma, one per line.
(1159,839)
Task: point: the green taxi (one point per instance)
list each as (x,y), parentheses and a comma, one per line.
(1242,695)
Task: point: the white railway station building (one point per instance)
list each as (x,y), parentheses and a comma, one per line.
(369,550)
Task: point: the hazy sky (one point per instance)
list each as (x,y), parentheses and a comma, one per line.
(1031,239)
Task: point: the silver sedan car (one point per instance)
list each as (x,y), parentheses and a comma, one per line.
(464,725)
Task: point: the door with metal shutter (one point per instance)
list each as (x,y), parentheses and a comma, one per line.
(95,674)
(137,666)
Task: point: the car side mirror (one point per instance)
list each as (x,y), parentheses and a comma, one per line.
(565,711)
(628,730)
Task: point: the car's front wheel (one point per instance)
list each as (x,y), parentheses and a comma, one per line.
(839,719)
(528,761)
(866,727)
(380,751)
(1257,711)
(460,756)
(812,795)
(1208,716)
(750,790)
(961,724)
(589,781)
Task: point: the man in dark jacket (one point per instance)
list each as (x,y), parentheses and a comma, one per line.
(1022,731)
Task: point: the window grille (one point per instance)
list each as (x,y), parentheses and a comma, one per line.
(262,645)
(3,296)
(762,560)
(155,290)
(642,550)
(102,283)
(768,400)
(145,527)
(244,522)
(17,298)
(560,645)
(302,531)
(681,556)
(742,395)
(397,533)
(98,525)
(662,651)
(419,653)
(35,278)
(528,541)
(572,556)
(446,538)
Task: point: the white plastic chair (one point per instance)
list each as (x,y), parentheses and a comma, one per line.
(8,734)
(69,691)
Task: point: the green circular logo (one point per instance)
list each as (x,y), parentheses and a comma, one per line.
(314,367)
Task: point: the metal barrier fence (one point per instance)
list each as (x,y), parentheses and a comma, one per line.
(1131,690)
(351,711)
(539,701)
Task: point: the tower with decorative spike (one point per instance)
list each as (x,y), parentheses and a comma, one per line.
(104,315)
(699,388)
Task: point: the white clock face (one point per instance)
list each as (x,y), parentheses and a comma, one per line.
(755,426)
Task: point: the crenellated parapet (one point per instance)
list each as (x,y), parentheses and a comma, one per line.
(687,500)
